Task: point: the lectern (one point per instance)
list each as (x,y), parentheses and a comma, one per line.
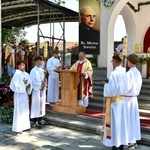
(69,88)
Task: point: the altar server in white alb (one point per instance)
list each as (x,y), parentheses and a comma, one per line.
(134,83)
(39,83)
(115,130)
(53,79)
(21,86)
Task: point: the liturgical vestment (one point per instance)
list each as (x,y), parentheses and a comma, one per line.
(38,94)
(21,119)
(85,85)
(11,57)
(53,80)
(134,82)
(117,126)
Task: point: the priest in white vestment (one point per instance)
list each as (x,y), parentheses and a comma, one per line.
(134,83)
(39,84)
(83,65)
(115,129)
(53,78)
(21,86)
(11,57)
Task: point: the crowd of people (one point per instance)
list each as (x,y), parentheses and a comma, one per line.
(31,88)
(122,126)
(12,53)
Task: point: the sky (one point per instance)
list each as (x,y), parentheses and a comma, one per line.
(71,29)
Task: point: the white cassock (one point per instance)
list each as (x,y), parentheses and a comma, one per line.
(38,95)
(21,119)
(53,80)
(116,87)
(134,82)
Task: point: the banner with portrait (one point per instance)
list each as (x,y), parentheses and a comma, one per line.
(89,26)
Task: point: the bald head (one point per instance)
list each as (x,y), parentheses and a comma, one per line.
(88,16)
(81,56)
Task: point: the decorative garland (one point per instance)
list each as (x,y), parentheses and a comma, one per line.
(107,4)
(139,5)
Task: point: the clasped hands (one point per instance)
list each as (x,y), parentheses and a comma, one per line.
(25,82)
(28,86)
(44,84)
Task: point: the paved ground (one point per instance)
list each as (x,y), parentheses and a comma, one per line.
(50,138)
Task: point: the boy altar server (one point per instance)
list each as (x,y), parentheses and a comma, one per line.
(21,86)
(134,83)
(115,130)
(39,92)
(53,78)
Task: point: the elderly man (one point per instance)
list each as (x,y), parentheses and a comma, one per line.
(88,36)
(84,66)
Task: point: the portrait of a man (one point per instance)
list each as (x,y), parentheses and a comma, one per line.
(89,36)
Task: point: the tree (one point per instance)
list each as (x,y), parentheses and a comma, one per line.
(59,2)
(17,33)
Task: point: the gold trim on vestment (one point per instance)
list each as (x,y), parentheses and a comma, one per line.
(109,100)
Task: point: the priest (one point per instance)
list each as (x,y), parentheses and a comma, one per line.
(11,57)
(84,67)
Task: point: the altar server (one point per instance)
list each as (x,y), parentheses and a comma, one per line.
(134,83)
(53,78)
(115,130)
(39,83)
(21,86)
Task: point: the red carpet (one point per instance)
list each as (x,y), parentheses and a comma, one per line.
(145,121)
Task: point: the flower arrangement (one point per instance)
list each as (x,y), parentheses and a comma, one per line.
(6,114)
(6,101)
(144,58)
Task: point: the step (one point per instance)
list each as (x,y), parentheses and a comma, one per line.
(97,93)
(95,105)
(145,92)
(145,113)
(145,87)
(144,106)
(146,81)
(97,88)
(98,84)
(98,99)
(145,140)
(85,124)
(144,97)
(73,122)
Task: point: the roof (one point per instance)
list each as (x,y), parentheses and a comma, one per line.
(21,13)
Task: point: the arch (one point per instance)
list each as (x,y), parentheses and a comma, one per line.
(147,40)
(131,28)
(120,7)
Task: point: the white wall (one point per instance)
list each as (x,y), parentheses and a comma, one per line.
(136,26)
(131,24)
(108,19)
